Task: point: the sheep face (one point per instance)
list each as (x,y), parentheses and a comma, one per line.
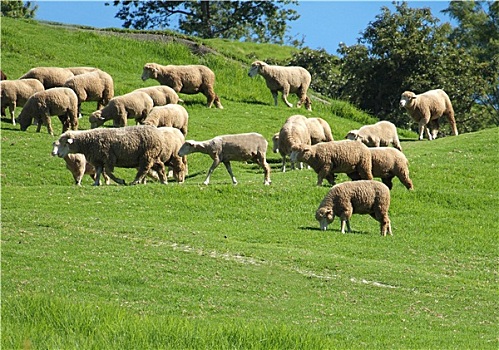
(255,68)
(149,72)
(60,147)
(406,98)
(96,119)
(325,216)
(24,122)
(187,148)
(352,135)
(275,143)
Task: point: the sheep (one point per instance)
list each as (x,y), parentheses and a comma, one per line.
(189,79)
(173,141)
(161,95)
(356,197)
(78,166)
(49,76)
(81,70)
(294,132)
(427,107)
(136,104)
(96,85)
(328,158)
(225,148)
(382,133)
(387,163)
(60,101)
(2,75)
(170,115)
(15,93)
(106,148)
(285,79)
(319,130)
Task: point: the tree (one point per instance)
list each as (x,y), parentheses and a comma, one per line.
(18,9)
(261,21)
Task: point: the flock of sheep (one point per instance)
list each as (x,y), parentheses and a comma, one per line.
(159,142)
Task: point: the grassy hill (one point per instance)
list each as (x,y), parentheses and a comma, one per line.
(245,267)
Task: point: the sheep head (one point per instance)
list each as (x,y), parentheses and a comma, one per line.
(96,119)
(325,216)
(61,147)
(352,135)
(275,143)
(301,153)
(407,98)
(255,68)
(187,148)
(150,71)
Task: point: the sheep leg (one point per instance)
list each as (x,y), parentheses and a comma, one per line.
(210,97)
(229,169)
(216,162)
(159,168)
(108,169)
(98,171)
(144,166)
(266,168)
(284,162)
(285,93)
(422,128)
(12,109)
(387,181)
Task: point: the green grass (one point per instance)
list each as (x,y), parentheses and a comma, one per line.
(236,267)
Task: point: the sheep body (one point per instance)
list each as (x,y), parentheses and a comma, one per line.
(328,158)
(78,166)
(382,133)
(161,95)
(226,148)
(426,108)
(60,101)
(170,115)
(388,163)
(173,141)
(81,70)
(96,85)
(49,76)
(187,79)
(294,132)
(319,130)
(106,148)
(356,197)
(286,80)
(15,93)
(136,104)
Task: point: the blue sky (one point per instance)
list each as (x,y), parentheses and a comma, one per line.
(322,24)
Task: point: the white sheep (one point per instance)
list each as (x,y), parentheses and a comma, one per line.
(136,104)
(49,76)
(382,134)
(388,163)
(170,115)
(189,79)
(356,197)
(427,108)
(173,141)
(138,147)
(226,148)
(96,85)
(286,80)
(59,101)
(161,95)
(15,93)
(319,130)
(329,158)
(78,166)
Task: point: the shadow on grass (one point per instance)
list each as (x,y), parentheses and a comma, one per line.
(317,228)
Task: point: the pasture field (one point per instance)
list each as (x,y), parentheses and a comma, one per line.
(236,267)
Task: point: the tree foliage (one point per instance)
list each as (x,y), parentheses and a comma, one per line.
(260,21)
(18,9)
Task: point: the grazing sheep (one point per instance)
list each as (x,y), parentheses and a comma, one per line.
(285,79)
(93,86)
(387,163)
(170,115)
(60,101)
(49,76)
(357,197)
(429,106)
(2,75)
(78,166)
(294,132)
(106,148)
(190,79)
(161,95)
(382,133)
(225,148)
(15,93)
(328,158)
(173,141)
(136,104)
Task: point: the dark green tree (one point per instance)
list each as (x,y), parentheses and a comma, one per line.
(260,21)
(18,9)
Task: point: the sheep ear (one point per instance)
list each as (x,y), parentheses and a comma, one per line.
(413,97)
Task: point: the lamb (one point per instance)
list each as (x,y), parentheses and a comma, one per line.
(136,104)
(356,197)
(161,95)
(43,104)
(190,79)
(15,93)
(78,166)
(382,133)
(285,79)
(173,141)
(328,158)
(294,132)
(106,148)
(93,86)
(427,107)
(49,76)
(387,163)
(170,115)
(225,148)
